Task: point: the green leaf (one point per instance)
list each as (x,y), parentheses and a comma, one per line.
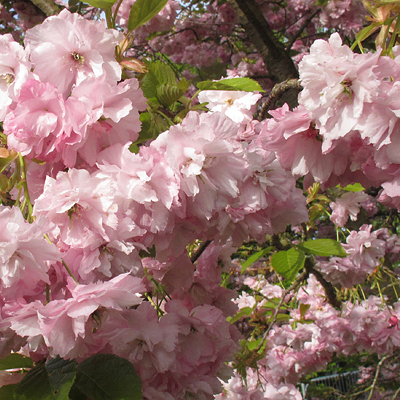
(108,377)
(183,85)
(143,11)
(167,94)
(243,84)
(253,345)
(76,394)
(303,309)
(15,360)
(323,247)
(61,376)
(159,74)
(7,392)
(272,304)
(47,381)
(243,312)
(288,263)
(163,72)
(152,125)
(254,257)
(356,187)
(283,317)
(101,3)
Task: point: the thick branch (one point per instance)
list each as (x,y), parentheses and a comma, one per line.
(48,7)
(277,91)
(273,53)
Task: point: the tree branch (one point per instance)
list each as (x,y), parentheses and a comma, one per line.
(277,91)
(273,53)
(48,7)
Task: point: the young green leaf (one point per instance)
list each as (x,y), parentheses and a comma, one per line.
(303,309)
(108,377)
(356,187)
(167,94)
(243,84)
(243,312)
(254,257)
(323,247)
(101,3)
(253,345)
(143,11)
(288,263)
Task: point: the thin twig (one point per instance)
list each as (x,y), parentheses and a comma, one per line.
(300,31)
(293,286)
(395,395)
(378,369)
(276,92)
(200,251)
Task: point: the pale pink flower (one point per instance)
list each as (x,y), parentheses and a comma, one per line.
(282,392)
(24,253)
(102,115)
(343,271)
(64,324)
(245,300)
(81,206)
(14,71)
(238,106)
(203,152)
(75,48)
(347,205)
(337,84)
(298,145)
(364,248)
(37,126)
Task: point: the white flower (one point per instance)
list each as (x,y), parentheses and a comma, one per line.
(236,105)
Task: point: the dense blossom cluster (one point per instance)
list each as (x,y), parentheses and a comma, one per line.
(99,204)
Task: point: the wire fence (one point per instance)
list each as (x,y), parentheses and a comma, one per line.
(340,383)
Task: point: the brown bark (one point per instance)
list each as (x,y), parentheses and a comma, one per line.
(48,7)
(278,62)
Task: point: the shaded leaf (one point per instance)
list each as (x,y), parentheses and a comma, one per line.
(7,392)
(61,376)
(108,377)
(47,381)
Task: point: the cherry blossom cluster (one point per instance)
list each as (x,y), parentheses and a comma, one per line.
(104,266)
(308,341)
(344,129)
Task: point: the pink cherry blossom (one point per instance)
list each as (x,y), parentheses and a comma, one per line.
(14,71)
(348,205)
(24,252)
(238,106)
(74,47)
